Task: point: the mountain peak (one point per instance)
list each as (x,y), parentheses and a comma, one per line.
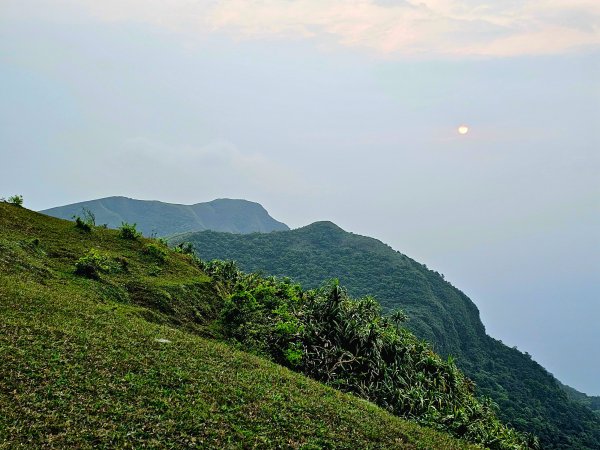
(166,219)
(323,225)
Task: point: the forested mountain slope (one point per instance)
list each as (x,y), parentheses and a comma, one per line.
(529,397)
(165,219)
(591,401)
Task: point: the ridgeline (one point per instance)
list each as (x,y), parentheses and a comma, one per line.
(154,218)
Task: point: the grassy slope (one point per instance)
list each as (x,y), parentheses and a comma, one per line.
(81,366)
(529,397)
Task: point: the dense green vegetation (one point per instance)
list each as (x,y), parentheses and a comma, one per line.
(591,401)
(347,344)
(154,218)
(129,357)
(529,397)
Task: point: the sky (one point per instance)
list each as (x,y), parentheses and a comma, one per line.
(338,110)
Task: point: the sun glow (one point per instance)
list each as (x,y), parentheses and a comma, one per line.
(463,129)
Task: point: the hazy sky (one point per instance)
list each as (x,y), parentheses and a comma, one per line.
(344,111)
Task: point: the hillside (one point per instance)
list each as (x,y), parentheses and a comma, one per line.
(591,401)
(529,397)
(154,218)
(120,358)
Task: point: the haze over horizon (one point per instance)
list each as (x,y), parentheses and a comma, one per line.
(342,111)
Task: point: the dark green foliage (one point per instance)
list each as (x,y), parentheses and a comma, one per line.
(82,225)
(86,222)
(187,248)
(129,231)
(347,344)
(123,263)
(591,401)
(398,317)
(528,396)
(16,200)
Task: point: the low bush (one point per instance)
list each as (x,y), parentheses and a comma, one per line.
(123,263)
(187,248)
(82,225)
(92,264)
(87,222)
(129,231)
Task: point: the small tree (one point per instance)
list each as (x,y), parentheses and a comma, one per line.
(16,200)
(398,317)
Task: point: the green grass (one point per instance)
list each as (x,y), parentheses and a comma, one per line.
(82,367)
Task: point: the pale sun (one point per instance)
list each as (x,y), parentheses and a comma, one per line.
(463,129)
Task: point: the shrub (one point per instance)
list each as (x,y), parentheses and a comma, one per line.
(16,200)
(88,216)
(129,231)
(156,252)
(187,248)
(82,224)
(349,345)
(293,354)
(92,264)
(86,222)
(123,263)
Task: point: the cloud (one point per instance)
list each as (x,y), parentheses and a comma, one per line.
(216,167)
(453,28)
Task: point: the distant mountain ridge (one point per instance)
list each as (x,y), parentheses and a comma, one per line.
(529,397)
(167,219)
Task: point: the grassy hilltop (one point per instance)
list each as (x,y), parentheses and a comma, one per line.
(120,360)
